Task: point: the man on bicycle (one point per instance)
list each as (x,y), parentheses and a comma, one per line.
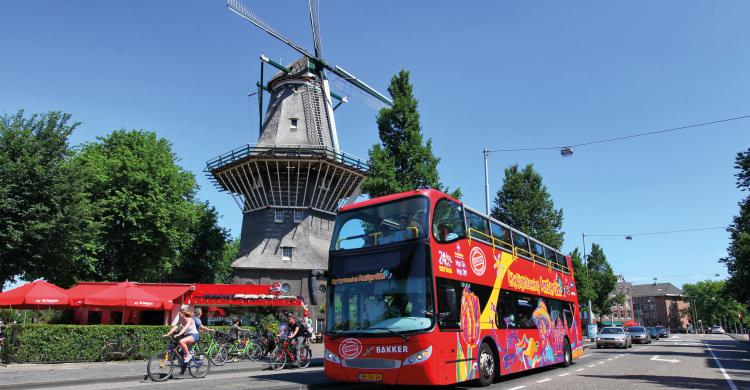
(296,334)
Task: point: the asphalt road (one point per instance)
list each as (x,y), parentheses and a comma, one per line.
(679,362)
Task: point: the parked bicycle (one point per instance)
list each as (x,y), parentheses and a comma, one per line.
(161,366)
(285,351)
(244,347)
(121,348)
(217,348)
(2,343)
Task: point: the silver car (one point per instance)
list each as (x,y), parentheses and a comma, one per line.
(614,336)
(639,334)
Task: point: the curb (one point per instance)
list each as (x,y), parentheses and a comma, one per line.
(739,337)
(318,362)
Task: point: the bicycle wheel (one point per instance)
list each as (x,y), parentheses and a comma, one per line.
(305,355)
(219,355)
(277,359)
(106,353)
(200,365)
(161,366)
(254,354)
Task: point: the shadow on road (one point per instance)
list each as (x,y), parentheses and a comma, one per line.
(674,381)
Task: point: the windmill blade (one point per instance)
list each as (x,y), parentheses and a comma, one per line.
(240,9)
(315,23)
(351,86)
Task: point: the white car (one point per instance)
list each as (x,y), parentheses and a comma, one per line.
(717,330)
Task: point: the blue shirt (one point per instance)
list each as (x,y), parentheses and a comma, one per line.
(198,323)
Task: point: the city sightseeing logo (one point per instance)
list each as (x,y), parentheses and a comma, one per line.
(350,348)
(383,274)
(478,261)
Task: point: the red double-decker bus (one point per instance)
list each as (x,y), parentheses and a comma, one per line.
(423,290)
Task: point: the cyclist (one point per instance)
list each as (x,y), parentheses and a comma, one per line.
(189,330)
(199,323)
(283,328)
(296,335)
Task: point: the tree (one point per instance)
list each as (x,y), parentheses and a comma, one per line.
(224,269)
(46,226)
(403,161)
(205,258)
(603,281)
(584,283)
(524,203)
(712,303)
(738,253)
(145,206)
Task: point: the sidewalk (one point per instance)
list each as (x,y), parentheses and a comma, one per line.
(740,337)
(18,376)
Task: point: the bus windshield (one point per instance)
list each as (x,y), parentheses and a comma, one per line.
(397,221)
(380,293)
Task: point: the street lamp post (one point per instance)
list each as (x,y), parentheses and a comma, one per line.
(486,154)
(586,266)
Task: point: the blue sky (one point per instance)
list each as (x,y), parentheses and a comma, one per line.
(487,74)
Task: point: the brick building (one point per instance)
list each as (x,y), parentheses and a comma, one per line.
(623,313)
(660,304)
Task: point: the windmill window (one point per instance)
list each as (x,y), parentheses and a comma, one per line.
(286,253)
(293,124)
(278,216)
(299,215)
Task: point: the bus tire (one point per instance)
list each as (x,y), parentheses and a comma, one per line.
(567,354)
(487,366)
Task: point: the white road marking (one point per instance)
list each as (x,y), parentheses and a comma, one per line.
(641,349)
(567,373)
(517,387)
(721,368)
(609,360)
(600,362)
(580,369)
(593,365)
(543,380)
(656,358)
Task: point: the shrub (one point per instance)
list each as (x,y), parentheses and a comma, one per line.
(36,343)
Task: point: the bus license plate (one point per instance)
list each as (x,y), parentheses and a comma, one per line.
(370,377)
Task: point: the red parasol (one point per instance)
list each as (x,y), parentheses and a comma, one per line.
(35,295)
(126,294)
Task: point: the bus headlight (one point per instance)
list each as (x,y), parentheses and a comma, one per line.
(331,357)
(418,357)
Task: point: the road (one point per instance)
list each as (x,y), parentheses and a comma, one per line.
(679,362)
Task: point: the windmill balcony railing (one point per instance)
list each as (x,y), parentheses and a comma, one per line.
(286,151)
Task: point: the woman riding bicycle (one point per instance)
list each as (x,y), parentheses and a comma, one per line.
(189,330)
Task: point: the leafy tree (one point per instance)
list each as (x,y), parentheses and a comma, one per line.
(403,161)
(603,281)
(524,203)
(205,258)
(738,253)
(584,282)
(712,303)
(144,203)
(46,227)
(224,270)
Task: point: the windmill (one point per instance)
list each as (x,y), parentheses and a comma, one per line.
(290,184)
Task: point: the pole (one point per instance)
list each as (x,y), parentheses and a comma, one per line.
(486,153)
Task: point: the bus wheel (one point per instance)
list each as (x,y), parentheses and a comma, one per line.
(568,359)
(486,365)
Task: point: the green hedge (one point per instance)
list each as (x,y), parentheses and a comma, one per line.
(68,343)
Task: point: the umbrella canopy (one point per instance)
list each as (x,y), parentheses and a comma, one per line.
(35,295)
(126,294)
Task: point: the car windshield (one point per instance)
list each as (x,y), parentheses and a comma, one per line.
(612,331)
(382,224)
(380,293)
(659,328)
(636,329)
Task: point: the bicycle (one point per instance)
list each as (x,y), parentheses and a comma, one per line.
(161,366)
(285,350)
(124,347)
(216,350)
(244,348)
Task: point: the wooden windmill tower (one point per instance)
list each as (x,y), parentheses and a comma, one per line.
(291,183)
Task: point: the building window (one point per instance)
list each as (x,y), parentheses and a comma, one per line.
(286,253)
(293,124)
(278,216)
(286,287)
(299,215)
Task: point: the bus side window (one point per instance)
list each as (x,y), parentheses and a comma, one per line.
(537,249)
(568,313)
(479,226)
(449,292)
(506,316)
(502,236)
(525,306)
(522,245)
(549,254)
(563,261)
(448,221)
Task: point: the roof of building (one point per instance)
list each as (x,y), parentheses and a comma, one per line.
(655,290)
